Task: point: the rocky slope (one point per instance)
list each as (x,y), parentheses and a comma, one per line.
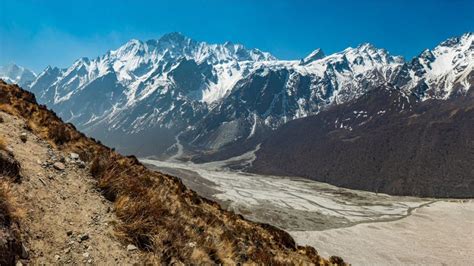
(76,192)
(223,98)
(62,219)
(385,141)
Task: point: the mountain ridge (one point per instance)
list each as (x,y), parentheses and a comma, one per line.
(385,142)
(175,85)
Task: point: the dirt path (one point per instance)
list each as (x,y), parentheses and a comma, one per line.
(62,206)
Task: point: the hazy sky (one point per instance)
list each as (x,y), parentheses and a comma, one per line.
(36,33)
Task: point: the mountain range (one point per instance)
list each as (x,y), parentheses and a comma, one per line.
(219,100)
(12,73)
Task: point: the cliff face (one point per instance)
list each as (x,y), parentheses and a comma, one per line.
(154,212)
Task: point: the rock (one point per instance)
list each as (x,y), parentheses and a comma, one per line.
(62,159)
(81,164)
(84,237)
(24,252)
(69,233)
(9,150)
(131,247)
(57,257)
(67,250)
(86,255)
(23,137)
(59,166)
(74,155)
(18,263)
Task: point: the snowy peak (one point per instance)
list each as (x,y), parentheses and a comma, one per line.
(447,55)
(174,46)
(465,39)
(175,37)
(369,53)
(12,73)
(444,71)
(313,56)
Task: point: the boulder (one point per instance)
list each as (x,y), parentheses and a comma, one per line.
(131,247)
(84,237)
(59,166)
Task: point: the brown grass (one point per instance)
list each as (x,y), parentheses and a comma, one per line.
(9,209)
(157,212)
(10,214)
(3,144)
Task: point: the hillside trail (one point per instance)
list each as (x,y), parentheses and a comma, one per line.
(65,219)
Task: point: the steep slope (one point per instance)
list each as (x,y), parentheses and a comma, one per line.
(11,246)
(60,207)
(385,142)
(12,73)
(155,212)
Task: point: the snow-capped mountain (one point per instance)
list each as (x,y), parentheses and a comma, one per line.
(14,74)
(445,71)
(279,91)
(145,96)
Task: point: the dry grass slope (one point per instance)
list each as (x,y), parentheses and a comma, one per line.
(10,239)
(158,213)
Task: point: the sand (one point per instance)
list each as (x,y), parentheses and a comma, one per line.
(441,233)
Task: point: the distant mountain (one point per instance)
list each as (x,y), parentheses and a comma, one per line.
(218,100)
(386,141)
(12,73)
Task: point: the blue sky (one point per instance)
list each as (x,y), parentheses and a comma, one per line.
(37,33)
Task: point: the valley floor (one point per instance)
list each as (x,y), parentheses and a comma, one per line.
(360,226)
(439,233)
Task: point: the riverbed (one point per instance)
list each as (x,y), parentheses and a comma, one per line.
(362,227)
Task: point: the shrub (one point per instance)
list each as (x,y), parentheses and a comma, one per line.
(59,134)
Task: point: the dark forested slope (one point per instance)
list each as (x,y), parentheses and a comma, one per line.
(384,142)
